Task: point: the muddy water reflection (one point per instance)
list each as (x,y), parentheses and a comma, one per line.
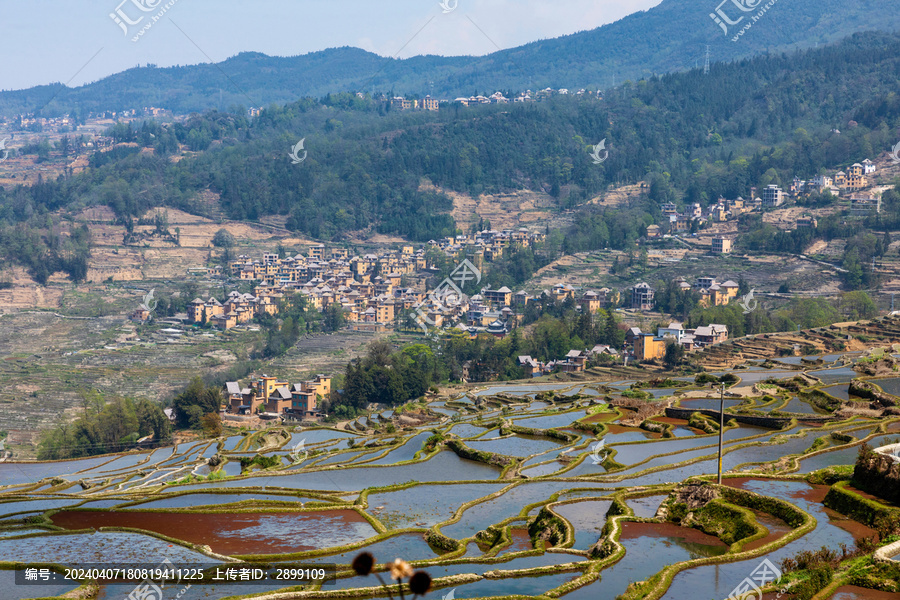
(649,547)
(717,581)
(239,533)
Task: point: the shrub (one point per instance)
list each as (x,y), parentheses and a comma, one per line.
(704,378)
(223,239)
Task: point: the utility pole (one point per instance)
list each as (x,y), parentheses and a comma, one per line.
(706,67)
(721,430)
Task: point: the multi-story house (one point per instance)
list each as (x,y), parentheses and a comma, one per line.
(642,297)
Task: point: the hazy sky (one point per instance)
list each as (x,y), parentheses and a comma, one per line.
(77,41)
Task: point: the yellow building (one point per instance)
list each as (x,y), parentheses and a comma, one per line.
(721,245)
(649,347)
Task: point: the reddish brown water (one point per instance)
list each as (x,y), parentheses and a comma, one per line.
(852,592)
(669,530)
(816,494)
(615,428)
(520,541)
(679,423)
(237,533)
(598,418)
(870,496)
(777,529)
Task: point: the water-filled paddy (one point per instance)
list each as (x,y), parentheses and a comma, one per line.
(835,375)
(405,452)
(237,533)
(890,385)
(649,547)
(587,518)
(191,500)
(529,585)
(708,403)
(11,591)
(493,511)
(515,445)
(446,466)
(846,456)
(852,592)
(646,506)
(717,581)
(14,473)
(465,430)
(8,508)
(550,421)
(411,546)
(795,405)
(316,436)
(520,390)
(841,390)
(100,547)
(430,503)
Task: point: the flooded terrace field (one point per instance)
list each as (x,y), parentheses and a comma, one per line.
(463,492)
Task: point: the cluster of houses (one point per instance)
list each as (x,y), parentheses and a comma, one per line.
(853,179)
(652,346)
(526,96)
(711,291)
(373,302)
(576,361)
(844,182)
(268,397)
(639,346)
(238,309)
(372,290)
(496,312)
(429,103)
(370,302)
(27,120)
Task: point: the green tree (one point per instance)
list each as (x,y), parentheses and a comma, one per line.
(857,305)
(223,239)
(195,401)
(674,354)
(334,317)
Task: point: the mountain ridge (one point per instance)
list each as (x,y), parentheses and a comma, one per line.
(670,37)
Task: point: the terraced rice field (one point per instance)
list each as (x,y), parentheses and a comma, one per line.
(522,519)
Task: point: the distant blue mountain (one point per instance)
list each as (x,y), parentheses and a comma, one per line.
(671,37)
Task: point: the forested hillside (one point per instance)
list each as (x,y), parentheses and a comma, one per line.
(692,137)
(668,38)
